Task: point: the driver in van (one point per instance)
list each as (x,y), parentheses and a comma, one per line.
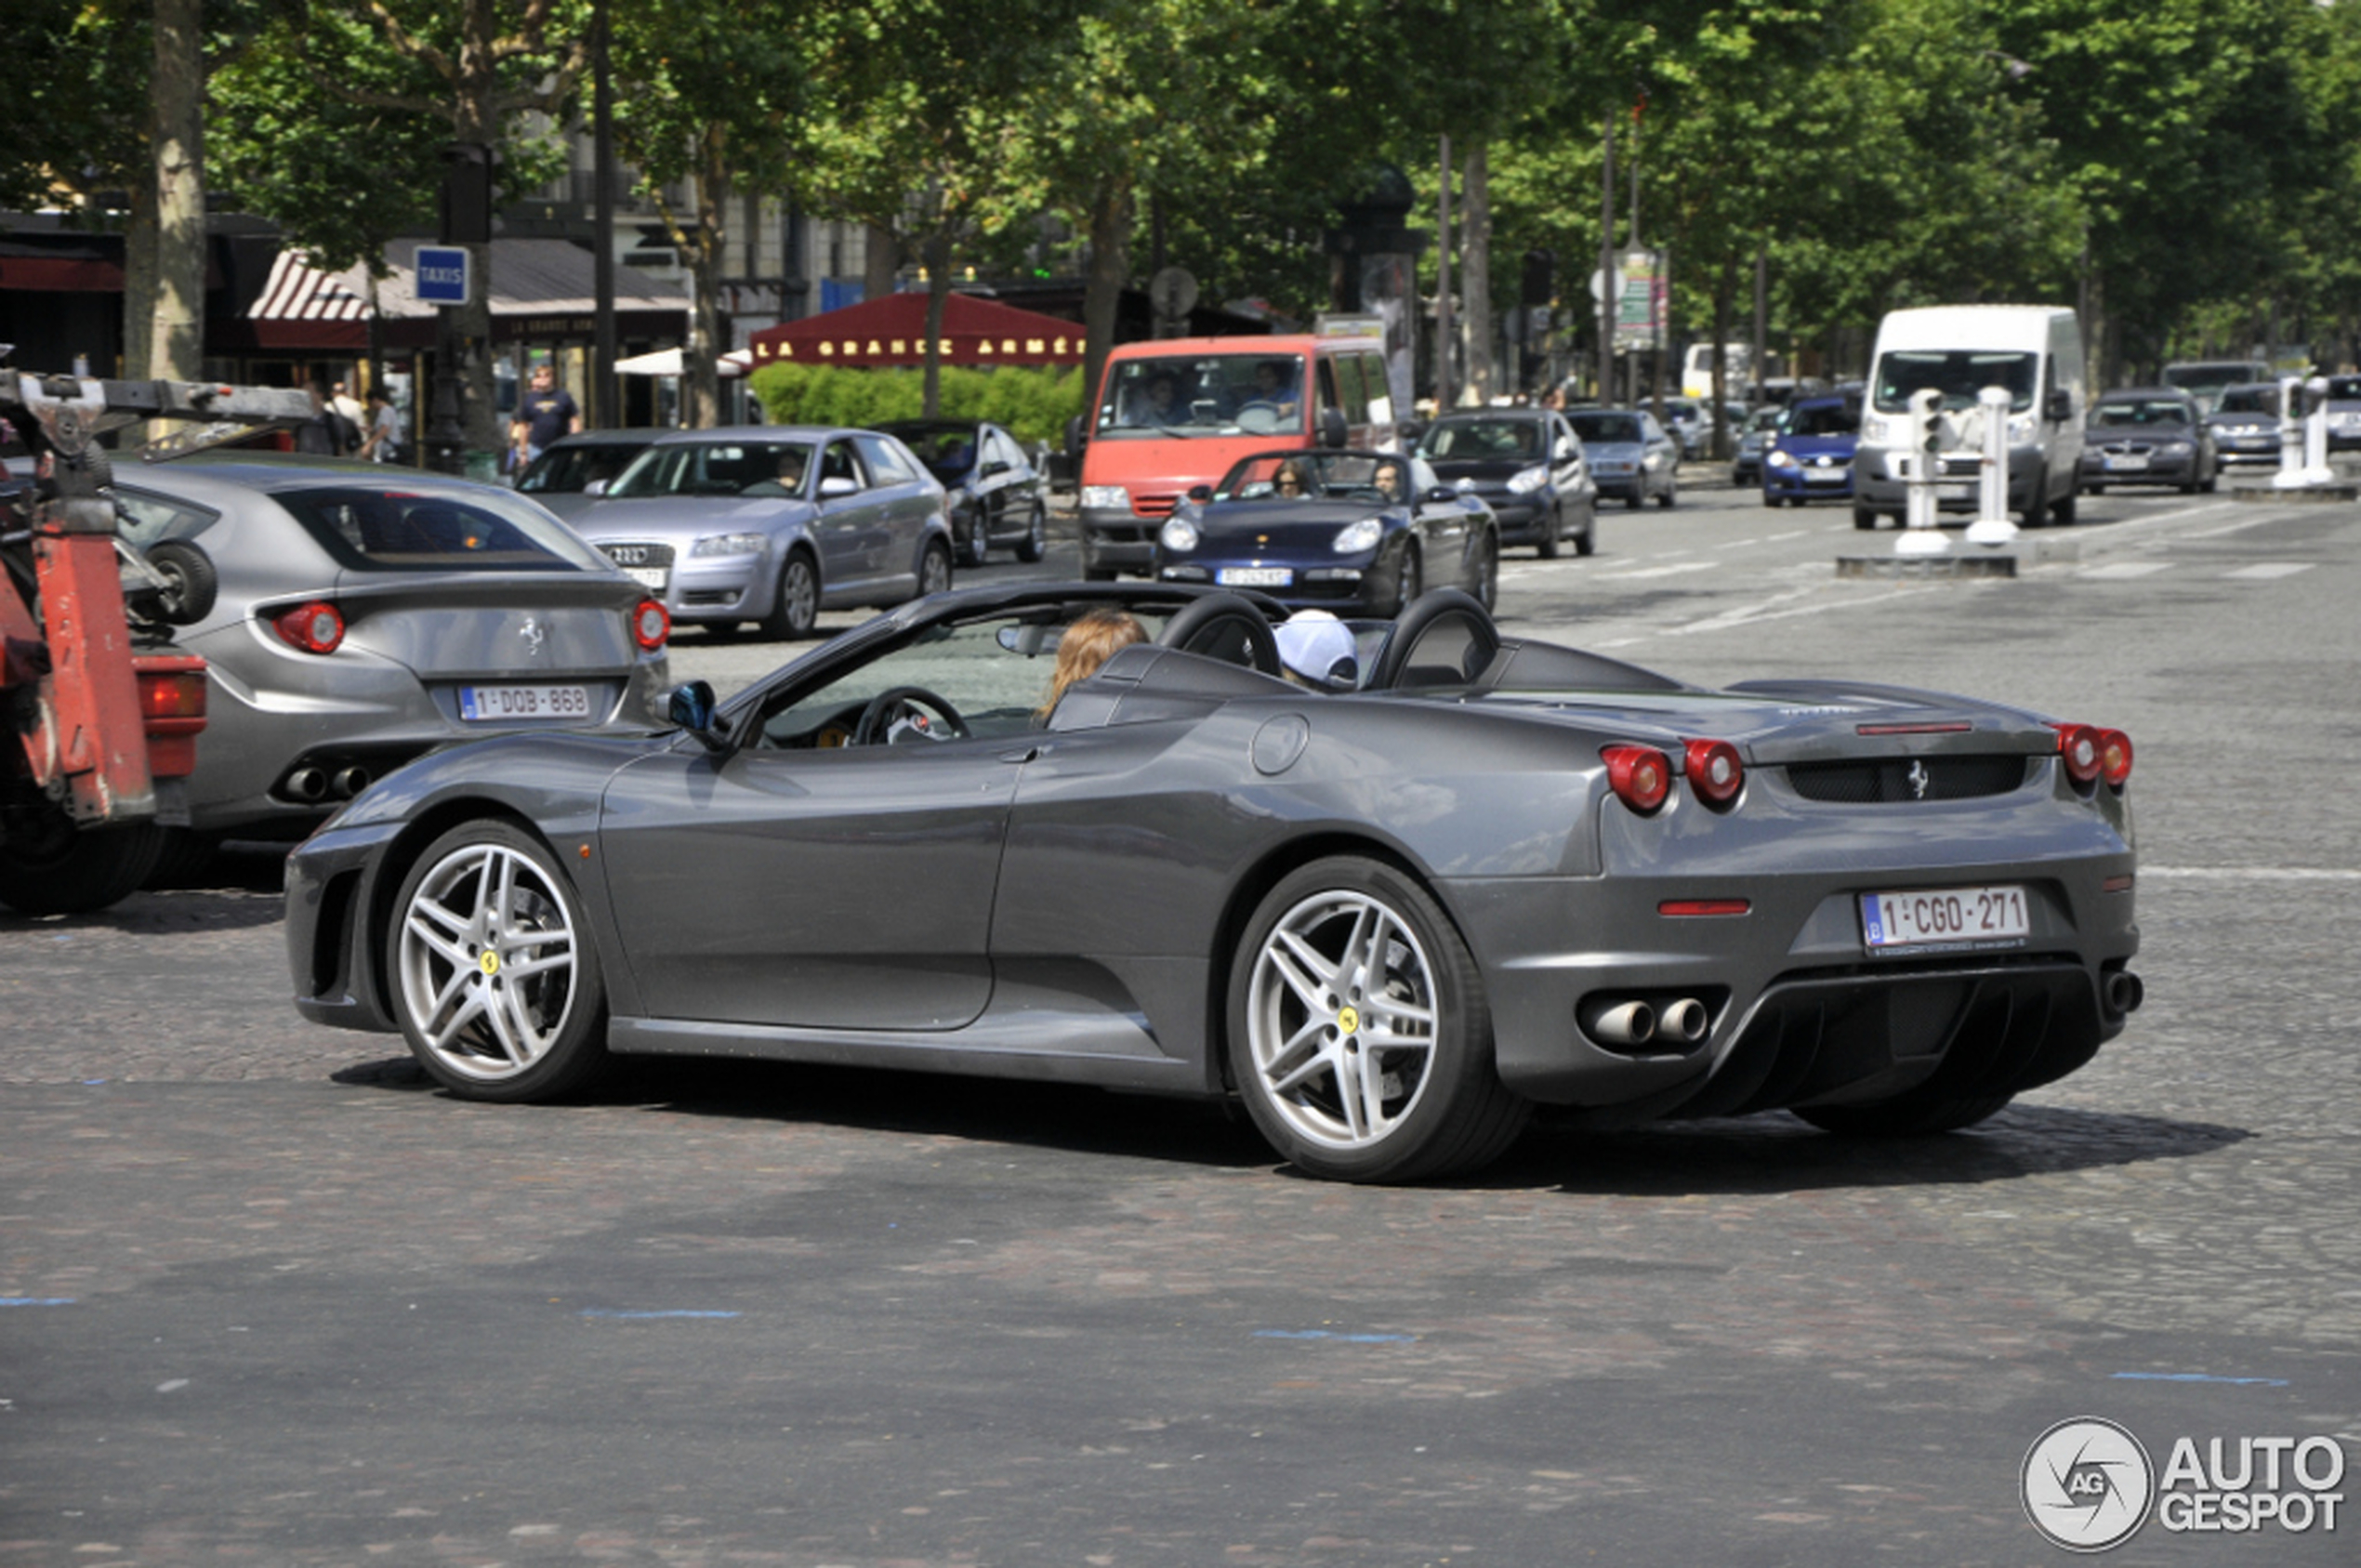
(1164,406)
(1272,389)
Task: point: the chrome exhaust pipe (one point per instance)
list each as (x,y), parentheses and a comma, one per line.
(350,782)
(307,785)
(2125,992)
(1619,1023)
(1685,1021)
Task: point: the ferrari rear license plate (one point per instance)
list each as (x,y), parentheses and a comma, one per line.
(1254,576)
(1947,917)
(480,704)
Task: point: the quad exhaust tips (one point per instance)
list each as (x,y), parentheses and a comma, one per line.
(1625,1022)
(2124,991)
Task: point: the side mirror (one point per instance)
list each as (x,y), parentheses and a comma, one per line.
(1200,492)
(994,467)
(1333,429)
(1563,451)
(1442,495)
(690,707)
(2060,406)
(1078,436)
(596,487)
(836,485)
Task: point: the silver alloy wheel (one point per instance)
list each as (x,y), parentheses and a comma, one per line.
(934,571)
(487,962)
(1341,1019)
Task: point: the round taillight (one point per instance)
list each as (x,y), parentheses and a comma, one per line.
(651,624)
(1641,777)
(316,627)
(1716,772)
(2115,757)
(2078,745)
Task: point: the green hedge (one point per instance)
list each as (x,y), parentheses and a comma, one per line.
(1030,404)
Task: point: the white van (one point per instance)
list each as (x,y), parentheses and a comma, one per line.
(2035,352)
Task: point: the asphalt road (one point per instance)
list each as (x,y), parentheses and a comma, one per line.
(267,1298)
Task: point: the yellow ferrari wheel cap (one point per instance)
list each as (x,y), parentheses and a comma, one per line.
(489,963)
(1348,1019)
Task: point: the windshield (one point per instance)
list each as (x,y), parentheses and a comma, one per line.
(1824,419)
(736,468)
(1608,428)
(373,528)
(948,451)
(1958,373)
(2344,388)
(1204,395)
(568,470)
(1462,440)
(2142,411)
(2207,378)
(2251,399)
(1317,476)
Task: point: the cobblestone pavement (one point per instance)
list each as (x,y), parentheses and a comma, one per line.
(277,1302)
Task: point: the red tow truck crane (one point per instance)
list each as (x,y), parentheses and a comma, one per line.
(102,713)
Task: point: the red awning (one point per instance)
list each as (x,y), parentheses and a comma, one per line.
(891,331)
(61,274)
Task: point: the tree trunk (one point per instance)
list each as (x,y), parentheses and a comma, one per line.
(881,262)
(139,282)
(701,373)
(1112,208)
(937,259)
(1725,290)
(177,335)
(1475,271)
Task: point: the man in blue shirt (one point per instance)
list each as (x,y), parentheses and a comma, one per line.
(544,414)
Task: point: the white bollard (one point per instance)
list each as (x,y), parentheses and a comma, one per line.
(2315,433)
(1992,527)
(2290,474)
(1921,534)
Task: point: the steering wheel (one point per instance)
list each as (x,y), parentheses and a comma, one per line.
(1260,418)
(1222,626)
(891,704)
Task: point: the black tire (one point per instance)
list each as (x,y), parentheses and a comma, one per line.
(192,583)
(796,611)
(507,1049)
(1546,547)
(2036,510)
(49,866)
(1409,579)
(2062,511)
(1770,500)
(1632,501)
(1587,542)
(1035,543)
(2094,489)
(1438,1093)
(1672,493)
(1487,573)
(1865,519)
(979,545)
(934,569)
(1905,1115)
(185,860)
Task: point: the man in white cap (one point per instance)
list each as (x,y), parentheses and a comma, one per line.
(1319,651)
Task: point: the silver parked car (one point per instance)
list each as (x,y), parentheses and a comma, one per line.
(1630,456)
(772,523)
(366,616)
(571,471)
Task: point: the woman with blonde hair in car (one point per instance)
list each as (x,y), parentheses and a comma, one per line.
(1090,642)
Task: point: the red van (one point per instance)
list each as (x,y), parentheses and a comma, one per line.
(1177,412)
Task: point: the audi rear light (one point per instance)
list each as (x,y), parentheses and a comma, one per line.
(1716,771)
(316,627)
(2115,757)
(2078,745)
(1641,777)
(651,624)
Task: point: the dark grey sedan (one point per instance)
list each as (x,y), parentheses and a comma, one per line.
(366,615)
(1391,912)
(2147,435)
(772,523)
(1527,466)
(2245,426)
(996,497)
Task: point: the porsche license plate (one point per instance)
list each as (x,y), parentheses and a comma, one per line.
(1946,917)
(1254,576)
(482,704)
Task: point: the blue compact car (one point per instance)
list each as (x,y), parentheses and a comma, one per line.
(1810,457)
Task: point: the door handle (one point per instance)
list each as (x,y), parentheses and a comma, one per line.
(1028,754)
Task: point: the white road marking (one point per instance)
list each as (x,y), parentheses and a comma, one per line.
(2238,527)
(1659,571)
(2125,569)
(2265,570)
(2253,872)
